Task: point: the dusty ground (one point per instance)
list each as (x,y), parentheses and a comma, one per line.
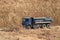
(32,34)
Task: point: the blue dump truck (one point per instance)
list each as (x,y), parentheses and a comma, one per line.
(30,22)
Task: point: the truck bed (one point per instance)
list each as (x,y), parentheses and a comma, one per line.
(42,22)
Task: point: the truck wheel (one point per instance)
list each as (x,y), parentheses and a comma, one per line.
(28,27)
(48,25)
(35,26)
(40,26)
(44,25)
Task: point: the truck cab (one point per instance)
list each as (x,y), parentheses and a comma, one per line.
(26,21)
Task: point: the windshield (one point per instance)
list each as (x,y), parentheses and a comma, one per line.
(26,20)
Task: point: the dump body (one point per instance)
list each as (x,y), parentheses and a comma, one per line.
(42,20)
(36,22)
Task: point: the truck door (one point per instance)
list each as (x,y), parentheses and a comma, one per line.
(27,21)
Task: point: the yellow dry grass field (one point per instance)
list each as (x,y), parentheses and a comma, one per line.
(12,11)
(32,34)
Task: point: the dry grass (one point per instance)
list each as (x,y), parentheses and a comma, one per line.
(32,34)
(12,11)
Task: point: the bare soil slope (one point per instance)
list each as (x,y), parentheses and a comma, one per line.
(12,11)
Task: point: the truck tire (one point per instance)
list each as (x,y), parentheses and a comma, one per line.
(48,25)
(35,26)
(43,25)
(28,27)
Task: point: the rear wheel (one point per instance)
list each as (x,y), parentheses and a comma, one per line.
(43,25)
(48,25)
(40,26)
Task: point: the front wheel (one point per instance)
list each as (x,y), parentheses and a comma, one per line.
(28,27)
(36,26)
